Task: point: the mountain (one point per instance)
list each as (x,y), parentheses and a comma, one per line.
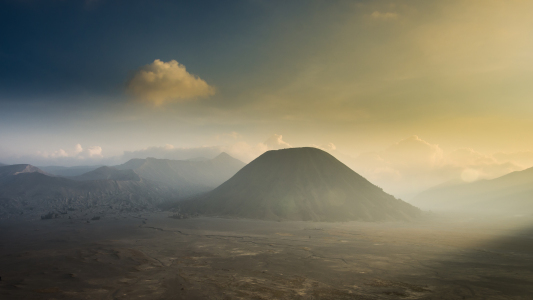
(68,171)
(137,184)
(190,177)
(11,170)
(27,189)
(305,184)
(511,193)
(105,172)
(2,165)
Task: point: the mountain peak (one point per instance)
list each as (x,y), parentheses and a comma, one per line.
(300,184)
(223,157)
(19,169)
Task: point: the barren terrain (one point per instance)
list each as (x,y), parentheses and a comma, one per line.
(151,256)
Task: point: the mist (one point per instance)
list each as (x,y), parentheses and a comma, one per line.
(266,149)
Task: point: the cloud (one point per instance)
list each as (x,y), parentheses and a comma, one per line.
(162,82)
(384,16)
(247,152)
(275,142)
(55,154)
(78,149)
(329,147)
(244,151)
(78,153)
(241,150)
(171,152)
(95,151)
(403,169)
(414,151)
(522,158)
(413,165)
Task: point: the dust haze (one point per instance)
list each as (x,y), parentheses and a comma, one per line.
(251,149)
(104,239)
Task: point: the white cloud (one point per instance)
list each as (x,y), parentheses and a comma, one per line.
(78,149)
(55,154)
(161,82)
(247,152)
(326,147)
(95,151)
(244,151)
(275,142)
(78,152)
(413,165)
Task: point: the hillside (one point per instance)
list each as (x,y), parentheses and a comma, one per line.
(299,184)
(11,170)
(511,193)
(68,171)
(105,172)
(190,177)
(25,189)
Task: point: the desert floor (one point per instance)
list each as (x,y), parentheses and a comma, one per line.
(151,256)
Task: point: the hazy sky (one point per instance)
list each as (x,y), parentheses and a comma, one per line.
(408,93)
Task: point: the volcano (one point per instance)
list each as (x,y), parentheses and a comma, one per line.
(300,184)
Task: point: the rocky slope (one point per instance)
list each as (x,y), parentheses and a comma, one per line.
(25,189)
(136,185)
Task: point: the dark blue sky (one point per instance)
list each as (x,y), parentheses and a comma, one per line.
(78,47)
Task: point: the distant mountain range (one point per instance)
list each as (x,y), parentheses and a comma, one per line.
(108,173)
(304,184)
(12,170)
(137,184)
(25,189)
(189,176)
(511,193)
(68,171)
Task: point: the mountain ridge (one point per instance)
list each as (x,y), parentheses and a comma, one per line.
(106,172)
(512,192)
(12,170)
(26,188)
(191,176)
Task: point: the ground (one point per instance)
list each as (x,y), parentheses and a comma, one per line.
(152,256)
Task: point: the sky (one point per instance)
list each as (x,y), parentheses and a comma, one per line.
(410,94)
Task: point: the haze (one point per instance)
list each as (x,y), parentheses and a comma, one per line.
(356,76)
(144,115)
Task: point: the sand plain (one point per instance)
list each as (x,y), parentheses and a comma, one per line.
(152,256)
